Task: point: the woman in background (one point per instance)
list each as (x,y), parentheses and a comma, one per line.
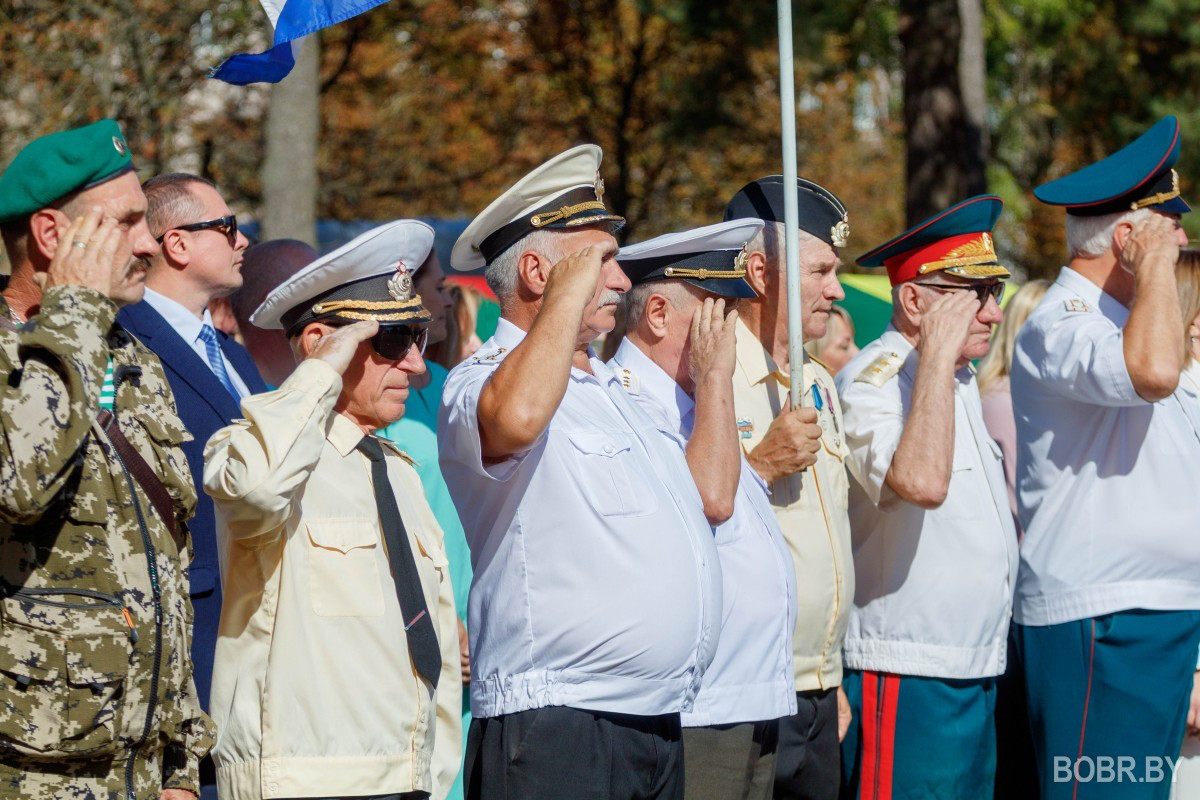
(835,349)
(993,375)
(1187,278)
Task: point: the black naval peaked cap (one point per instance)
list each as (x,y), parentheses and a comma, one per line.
(821,213)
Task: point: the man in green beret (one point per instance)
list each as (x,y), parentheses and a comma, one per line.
(95,619)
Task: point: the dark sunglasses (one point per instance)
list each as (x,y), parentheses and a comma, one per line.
(226,225)
(394,341)
(982,290)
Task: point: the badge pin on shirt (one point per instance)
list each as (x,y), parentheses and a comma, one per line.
(745,427)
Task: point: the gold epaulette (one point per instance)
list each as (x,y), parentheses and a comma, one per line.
(881,370)
(629,381)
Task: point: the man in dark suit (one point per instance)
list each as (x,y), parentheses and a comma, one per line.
(209,372)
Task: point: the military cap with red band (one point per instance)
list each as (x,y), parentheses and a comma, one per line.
(956,241)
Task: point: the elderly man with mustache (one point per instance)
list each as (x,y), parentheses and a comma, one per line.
(95,620)
(935,550)
(596,601)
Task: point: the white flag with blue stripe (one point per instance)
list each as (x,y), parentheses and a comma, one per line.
(292,19)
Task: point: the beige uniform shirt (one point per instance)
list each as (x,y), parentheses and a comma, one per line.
(314,692)
(810,506)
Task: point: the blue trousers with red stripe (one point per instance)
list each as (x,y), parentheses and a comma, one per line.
(1108,700)
(917,738)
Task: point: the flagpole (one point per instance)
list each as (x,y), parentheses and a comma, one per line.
(791,211)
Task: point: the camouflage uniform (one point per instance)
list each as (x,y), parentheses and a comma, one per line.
(96,691)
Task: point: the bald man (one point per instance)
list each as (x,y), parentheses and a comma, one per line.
(266,266)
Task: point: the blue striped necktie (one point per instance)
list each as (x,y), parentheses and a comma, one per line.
(215,360)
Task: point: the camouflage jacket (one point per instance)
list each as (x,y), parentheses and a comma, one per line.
(96,692)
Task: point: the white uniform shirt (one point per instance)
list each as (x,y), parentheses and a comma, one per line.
(1106,481)
(188,326)
(933,588)
(597,583)
(750,678)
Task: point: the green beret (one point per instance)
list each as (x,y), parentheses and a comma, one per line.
(55,165)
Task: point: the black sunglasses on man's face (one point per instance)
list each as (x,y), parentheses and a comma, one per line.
(394,341)
(226,225)
(981,290)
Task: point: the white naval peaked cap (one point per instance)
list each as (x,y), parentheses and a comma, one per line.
(712,257)
(564,192)
(339,286)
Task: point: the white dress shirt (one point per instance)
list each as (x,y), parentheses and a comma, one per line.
(188,326)
(597,583)
(750,678)
(1106,482)
(933,588)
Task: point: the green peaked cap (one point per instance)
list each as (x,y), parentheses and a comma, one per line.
(53,166)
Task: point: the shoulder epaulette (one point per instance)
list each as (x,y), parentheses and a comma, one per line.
(490,356)
(1076,305)
(396,449)
(881,370)
(629,381)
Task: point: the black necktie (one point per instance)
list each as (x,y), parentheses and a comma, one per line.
(418,626)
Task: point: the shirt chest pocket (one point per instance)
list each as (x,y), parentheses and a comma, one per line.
(344,568)
(613,482)
(967,496)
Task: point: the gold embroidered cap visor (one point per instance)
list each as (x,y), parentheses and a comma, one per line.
(370,277)
(712,258)
(957,241)
(565,192)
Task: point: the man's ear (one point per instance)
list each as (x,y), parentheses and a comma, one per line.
(1120,235)
(313,332)
(533,271)
(909,298)
(46,227)
(175,250)
(657,314)
(757,269)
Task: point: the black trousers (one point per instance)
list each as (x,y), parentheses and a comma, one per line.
(809,764)
(557,752)
(730,762)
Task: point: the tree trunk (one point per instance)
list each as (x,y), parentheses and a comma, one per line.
(972,76)
(945,160)
(289,172)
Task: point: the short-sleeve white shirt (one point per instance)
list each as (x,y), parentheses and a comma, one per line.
(933,588)
(751,677)
(597,582)
(1106,482)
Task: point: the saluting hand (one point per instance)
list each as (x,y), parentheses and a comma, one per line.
(337,348)
(86,254)
(1154,241)
(946,324)
(712,342)
(574,278)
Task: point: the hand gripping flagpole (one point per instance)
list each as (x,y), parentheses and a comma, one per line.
(791,211)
